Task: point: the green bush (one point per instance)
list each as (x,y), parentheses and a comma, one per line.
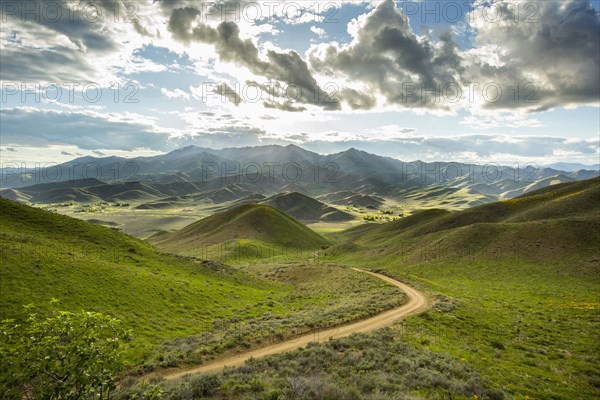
(64,356)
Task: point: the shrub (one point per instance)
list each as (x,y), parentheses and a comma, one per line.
(64,356)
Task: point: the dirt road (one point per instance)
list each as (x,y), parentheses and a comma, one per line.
(417,302)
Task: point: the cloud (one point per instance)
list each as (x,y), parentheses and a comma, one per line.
(228,136)
(111,133)
(65,41)
(104,134)
(357,100)
(534,65)
(474,148)
(88,130)
(286,67)
(385,54)
(320,32)
(499,119)
(284,106)
(175,94)
(300,137)
(556,51)
(550,61)
(230,94)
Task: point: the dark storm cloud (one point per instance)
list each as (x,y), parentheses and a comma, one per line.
(34,65)
(554,59)
(357,100)
(229,93)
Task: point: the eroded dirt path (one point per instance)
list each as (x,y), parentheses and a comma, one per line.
(416,302)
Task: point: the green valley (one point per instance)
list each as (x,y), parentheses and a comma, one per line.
(513,286)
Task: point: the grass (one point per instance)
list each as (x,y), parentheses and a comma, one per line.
(376,366)
(324,296)
(518,284)
(541,322)
(249,231)
(514,330)
(305,208)
(517,314)
(181,309)
(90,267)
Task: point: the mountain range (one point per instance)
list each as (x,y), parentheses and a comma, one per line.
(232,174)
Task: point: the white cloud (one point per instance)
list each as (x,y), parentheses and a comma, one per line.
(514,64)
(175,94)
(90,130)
(500,119)
(320,32)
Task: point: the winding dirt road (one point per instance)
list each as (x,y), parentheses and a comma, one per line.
(416,302)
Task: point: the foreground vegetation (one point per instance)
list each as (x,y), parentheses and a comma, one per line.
(534,335)
(324,296)
(159,296)
(376,366)
(65,356)
(182,310)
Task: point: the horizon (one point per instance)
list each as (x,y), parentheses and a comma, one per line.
(464,81)
(15,166)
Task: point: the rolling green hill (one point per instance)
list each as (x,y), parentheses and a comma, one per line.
(568,215)
(15,195)
(305,208)
(86,266)
(353,199)
(516,282)
(251,229)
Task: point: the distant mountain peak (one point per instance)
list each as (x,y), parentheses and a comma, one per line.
(298,149)
(191,147)
(355,151)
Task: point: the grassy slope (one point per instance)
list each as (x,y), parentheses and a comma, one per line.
(182,310)
(519,282)
(253,230)
(302,207)
(574,206)
(45,255)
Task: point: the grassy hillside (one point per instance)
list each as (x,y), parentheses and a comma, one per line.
(517,282)
(347,197)
(250,231)
(182,310)
(15,195)
(573,201)
(85,266)
(305,208)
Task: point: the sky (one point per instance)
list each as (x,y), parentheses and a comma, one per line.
(479,81)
